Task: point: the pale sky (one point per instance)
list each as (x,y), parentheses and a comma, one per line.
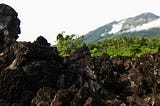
(50,17)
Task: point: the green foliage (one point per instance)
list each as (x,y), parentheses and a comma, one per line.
(125,46)
(67,44)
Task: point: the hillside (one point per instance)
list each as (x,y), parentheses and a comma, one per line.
(145,24)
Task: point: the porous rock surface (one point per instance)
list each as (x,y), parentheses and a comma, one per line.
(34,74)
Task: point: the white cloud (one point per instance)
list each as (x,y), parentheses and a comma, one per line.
(116,27)
(146,26)
(102,34)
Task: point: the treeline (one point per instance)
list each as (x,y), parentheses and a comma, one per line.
(125,46)
(66,44)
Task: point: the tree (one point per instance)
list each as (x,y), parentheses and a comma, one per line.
(135,49)
(67,44)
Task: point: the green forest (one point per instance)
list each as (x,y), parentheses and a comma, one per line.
(126,46)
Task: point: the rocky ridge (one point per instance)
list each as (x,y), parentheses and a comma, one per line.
(34,74)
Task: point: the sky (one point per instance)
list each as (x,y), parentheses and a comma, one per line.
(50,17)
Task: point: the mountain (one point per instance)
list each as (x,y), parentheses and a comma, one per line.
(145,24)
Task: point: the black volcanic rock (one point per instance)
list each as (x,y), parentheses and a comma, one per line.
(33,74)
(6,10)
(9,23)
(42,41)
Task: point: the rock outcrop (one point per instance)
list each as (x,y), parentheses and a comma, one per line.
(34,74)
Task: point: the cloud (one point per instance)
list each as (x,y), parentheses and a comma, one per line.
(116,27)
(153,24)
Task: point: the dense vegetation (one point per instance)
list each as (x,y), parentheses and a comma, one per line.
(126,46)
(67,44)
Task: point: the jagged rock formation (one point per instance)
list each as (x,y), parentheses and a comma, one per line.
(33,74)
(9,23)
